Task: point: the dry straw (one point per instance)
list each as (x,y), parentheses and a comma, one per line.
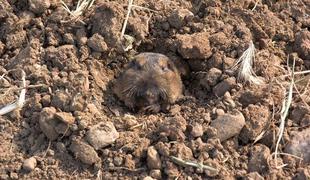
(81,6)
(184,163)
(21,100)
(244,65)
(286,103)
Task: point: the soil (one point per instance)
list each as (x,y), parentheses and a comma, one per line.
(72,126)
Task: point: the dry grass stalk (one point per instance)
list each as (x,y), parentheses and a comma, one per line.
(81,6)
(129,40)
(256,3)
(244,65)
(130,2)
(184,163)
(284,112)
(21,100)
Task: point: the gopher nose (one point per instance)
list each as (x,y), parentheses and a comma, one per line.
(150,97)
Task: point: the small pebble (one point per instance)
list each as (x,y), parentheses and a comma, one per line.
(82,125)
(118,161)
(65,117)
(153,159)
(13,175)
(197,130)
(50,152)
(148,178)
(156,174)
(30,164)
(102,135)
(84,152)
(228,125)
(61,147)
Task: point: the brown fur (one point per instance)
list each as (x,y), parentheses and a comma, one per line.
(150,83)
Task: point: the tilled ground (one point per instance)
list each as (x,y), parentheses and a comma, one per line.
(72,126)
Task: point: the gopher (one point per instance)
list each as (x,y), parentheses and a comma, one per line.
(149,84)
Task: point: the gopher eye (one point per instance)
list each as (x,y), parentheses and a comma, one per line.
(165,68)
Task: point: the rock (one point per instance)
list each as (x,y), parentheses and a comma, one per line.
(228,125)
(60,100)
(38,6)
(299,145)
(97,43)
(27,56)
(173,128)
(46,100)
(256,120)
(130,120)
(182,151)
(254,176)
(63,57)
(139,28)
(219,112)
(84,152)
(175,109)
(13,175)
(118,161)
(258,161)
(305,122)
(47,122)
(102,135)
(29,164)
(148,178)
(251,97)
(303,174)
(16,39)
(156,174)
(302,44)
(153,159)
(61,147)
(194,46)
(171,170)
(2,47)
(107,22)
(224,86)
(299,112)
(219,39)
(129,162)
(100,75)
(178,18)
(212,76)
(62,128)
(197,130)
(65,117)
(228,101)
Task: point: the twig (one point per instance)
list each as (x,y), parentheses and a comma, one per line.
(297,73)
(130,2)
(183,163)
(125,168)
(27,87)
(140,7)
(48,147)
(255,5)
(284,112)
(21,100)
